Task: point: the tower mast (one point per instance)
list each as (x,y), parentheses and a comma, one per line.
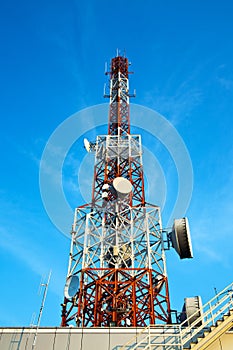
(117,270)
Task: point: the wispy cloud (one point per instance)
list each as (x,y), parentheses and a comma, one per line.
(176,106)
(22,249)
(223,76)
(212,228)
(180,93)
(226,83)
(24,239)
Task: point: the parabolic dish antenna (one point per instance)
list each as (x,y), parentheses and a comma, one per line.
(122,186)
(71,287)
(180,237)
(87,145)
(158,282)
(192,311)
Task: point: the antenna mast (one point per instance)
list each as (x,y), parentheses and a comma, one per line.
(45,285)
(117,271)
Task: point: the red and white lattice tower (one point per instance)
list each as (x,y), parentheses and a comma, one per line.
(117,272)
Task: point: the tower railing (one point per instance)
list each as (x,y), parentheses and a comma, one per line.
(179,336)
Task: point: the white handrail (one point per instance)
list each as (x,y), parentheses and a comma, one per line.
(182,334)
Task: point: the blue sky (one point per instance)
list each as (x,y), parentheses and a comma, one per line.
(52,66)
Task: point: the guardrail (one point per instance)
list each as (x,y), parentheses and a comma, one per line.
(179,336)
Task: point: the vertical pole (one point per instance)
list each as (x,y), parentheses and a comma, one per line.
(45,285)
(134,304)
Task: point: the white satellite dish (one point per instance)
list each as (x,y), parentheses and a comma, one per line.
(158,282)
(181,240)
(71,287)
(87,145)
(122,186)
(192,311)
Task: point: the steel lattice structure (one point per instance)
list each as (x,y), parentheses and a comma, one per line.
(117,261)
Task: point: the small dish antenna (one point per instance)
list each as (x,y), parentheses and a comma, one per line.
(192,311)
(87,145)
(122,186)
(180,238)
(71,287)
(158,282)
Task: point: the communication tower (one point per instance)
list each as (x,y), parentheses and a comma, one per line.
(117,269)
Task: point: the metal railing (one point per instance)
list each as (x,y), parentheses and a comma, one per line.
(179,336)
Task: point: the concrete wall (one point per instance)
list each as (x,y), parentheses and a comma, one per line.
(84,339)
(65,338)
(225,342)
